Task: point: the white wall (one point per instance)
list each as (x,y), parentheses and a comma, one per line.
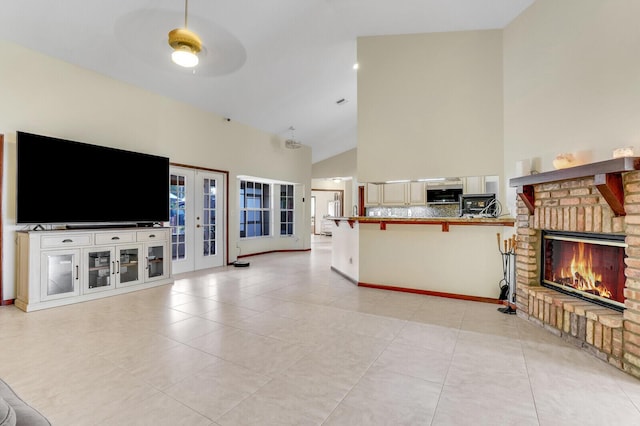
(344,249)
(46,96)
(425,258)
(571,81)
(342,165)
(430,105)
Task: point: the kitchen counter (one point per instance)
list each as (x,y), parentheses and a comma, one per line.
(445,222)
(458,257)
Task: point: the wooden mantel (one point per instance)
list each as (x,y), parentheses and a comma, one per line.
(607,177)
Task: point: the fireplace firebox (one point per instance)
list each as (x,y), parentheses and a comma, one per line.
(588,266)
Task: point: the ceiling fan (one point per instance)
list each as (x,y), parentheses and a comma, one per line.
(185,43)
(143,33)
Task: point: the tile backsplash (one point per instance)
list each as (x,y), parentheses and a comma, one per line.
(430,210)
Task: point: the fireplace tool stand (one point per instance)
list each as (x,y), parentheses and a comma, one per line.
(507,284)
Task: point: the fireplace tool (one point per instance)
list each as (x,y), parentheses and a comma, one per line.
(507,250)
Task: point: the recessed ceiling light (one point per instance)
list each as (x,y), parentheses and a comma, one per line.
(356,66)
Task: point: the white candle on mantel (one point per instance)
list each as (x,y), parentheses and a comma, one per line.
(523,167)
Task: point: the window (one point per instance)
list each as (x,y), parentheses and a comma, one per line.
(255,209)
(286,209)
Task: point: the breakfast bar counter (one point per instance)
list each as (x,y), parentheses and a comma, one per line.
(445,256)
(445,222)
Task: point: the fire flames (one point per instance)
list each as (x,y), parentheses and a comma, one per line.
(580,275)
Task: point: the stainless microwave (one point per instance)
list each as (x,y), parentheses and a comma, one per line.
(450,194)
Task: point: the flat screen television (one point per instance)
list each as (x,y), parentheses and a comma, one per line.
(67,182)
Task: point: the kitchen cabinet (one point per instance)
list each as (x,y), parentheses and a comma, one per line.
(394,194)
(404,194)
(417,193)
(68,266)
(473,185)
(372,194)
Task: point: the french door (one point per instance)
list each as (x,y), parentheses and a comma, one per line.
(197,204)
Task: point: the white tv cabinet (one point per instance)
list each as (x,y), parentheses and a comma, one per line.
(69,266)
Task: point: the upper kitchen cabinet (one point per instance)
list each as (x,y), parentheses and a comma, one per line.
(480,184)
(372,194)
(473,185)
(417,194)
(404,194)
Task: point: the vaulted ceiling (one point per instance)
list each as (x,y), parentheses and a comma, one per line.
(270,64)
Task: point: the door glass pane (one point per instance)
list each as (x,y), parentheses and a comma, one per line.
(177,216)
(99,269)
(60,278)
(209,216)
(214,243)
(129,265)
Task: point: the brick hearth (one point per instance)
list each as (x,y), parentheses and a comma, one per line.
(576,205)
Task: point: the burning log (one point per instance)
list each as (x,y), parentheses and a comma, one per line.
(580,281)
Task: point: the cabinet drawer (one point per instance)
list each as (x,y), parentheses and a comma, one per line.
(115,237)
(157,235)
(57,241)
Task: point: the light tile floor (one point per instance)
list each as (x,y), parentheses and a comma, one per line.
(287,341)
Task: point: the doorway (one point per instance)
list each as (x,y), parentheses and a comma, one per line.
(197,217)
(325,203)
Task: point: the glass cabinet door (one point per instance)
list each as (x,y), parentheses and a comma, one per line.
(100,269)
(129,267)
(156,261)
(60,274)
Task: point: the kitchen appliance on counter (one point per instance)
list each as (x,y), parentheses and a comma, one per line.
(444,194)
(479,205)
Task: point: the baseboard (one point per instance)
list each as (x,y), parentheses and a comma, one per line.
(271,251)
(433,293)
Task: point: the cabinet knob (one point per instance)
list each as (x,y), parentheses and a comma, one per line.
(67,240)
(115,238)
(152,236)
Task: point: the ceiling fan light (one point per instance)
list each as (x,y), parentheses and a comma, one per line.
(186,45)
(184,57)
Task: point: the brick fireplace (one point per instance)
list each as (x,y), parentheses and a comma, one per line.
(597,199)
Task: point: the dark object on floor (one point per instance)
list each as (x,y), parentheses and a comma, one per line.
(240,263)
(507,310)
(14,411)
